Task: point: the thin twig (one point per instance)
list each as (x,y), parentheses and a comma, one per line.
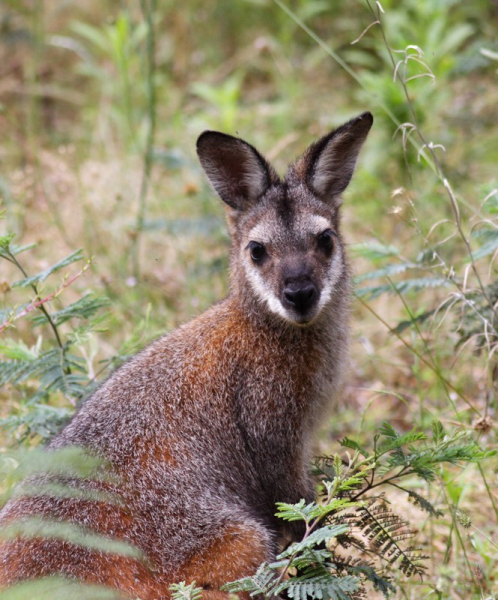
(431,148)
(34,287)
(148,10)
(41,301)
(417,354)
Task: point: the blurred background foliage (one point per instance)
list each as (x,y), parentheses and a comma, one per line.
(100,107)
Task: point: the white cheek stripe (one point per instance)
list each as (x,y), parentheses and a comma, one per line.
(335,271)
(258,285)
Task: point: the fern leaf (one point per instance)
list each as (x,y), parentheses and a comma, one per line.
(84,308)
(402,287)
(51,368)
(401,440)
(416,319)
(17,350)
(320,536)
(424,504)
(374,250)
(387,430)
(365,570)
(42,420)
(261,583)
(385,271)
(296,512)
(325,587)
(58,588)
(348,443)
(438,432)
(5,243)
(182,591)
(40,277)
(70,461)
(14,250)
(34,527)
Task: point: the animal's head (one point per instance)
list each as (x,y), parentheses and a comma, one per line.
(287,251)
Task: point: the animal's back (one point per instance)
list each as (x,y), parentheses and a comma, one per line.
(193,468)
(209,426)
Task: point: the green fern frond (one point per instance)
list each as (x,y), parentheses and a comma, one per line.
(34,527)
(438,432)
(415,320)
(402,440)
(296,512)
(15,250)
(261,583)
(320,536)
(353,445)
(374,250)
(41,420)
(18,350)
(424,504)
(489,238)
(402,287)
(40,277)
(57,588)
(55,370)
(388,270)
(326,587)
(366,571)
(84,308)
(70,461)
(182,591)
(5,241)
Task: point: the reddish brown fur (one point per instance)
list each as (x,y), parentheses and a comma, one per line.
(237,553)
(42,557)
(208,427)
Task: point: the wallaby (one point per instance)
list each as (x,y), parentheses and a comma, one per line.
(208,427)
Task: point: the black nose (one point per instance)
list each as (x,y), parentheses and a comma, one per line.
(299,296)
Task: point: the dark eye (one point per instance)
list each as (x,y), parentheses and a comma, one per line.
(258,251)
(326,240)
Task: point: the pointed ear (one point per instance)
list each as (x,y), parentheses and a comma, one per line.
(328,165)
(236,170)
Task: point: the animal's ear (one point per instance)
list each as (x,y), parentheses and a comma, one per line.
(328,165)
(236,170)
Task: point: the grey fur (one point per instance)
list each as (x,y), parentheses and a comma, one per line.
(212,424)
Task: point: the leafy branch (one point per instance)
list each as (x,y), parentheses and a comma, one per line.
(349,516)
(10,252)
(38,373)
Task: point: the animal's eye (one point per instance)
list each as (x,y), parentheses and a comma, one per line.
(326,240)
(258,251)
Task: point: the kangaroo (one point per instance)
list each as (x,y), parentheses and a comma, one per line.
(211,425)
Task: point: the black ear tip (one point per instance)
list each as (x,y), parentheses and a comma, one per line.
(206,136)
(366,117)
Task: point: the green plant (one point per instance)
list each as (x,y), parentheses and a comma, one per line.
(224,99)
(51,368)
(445,276)
(119,42)
(353,538)
(422,348)
(182,591)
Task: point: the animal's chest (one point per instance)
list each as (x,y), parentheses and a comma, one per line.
(273,401)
